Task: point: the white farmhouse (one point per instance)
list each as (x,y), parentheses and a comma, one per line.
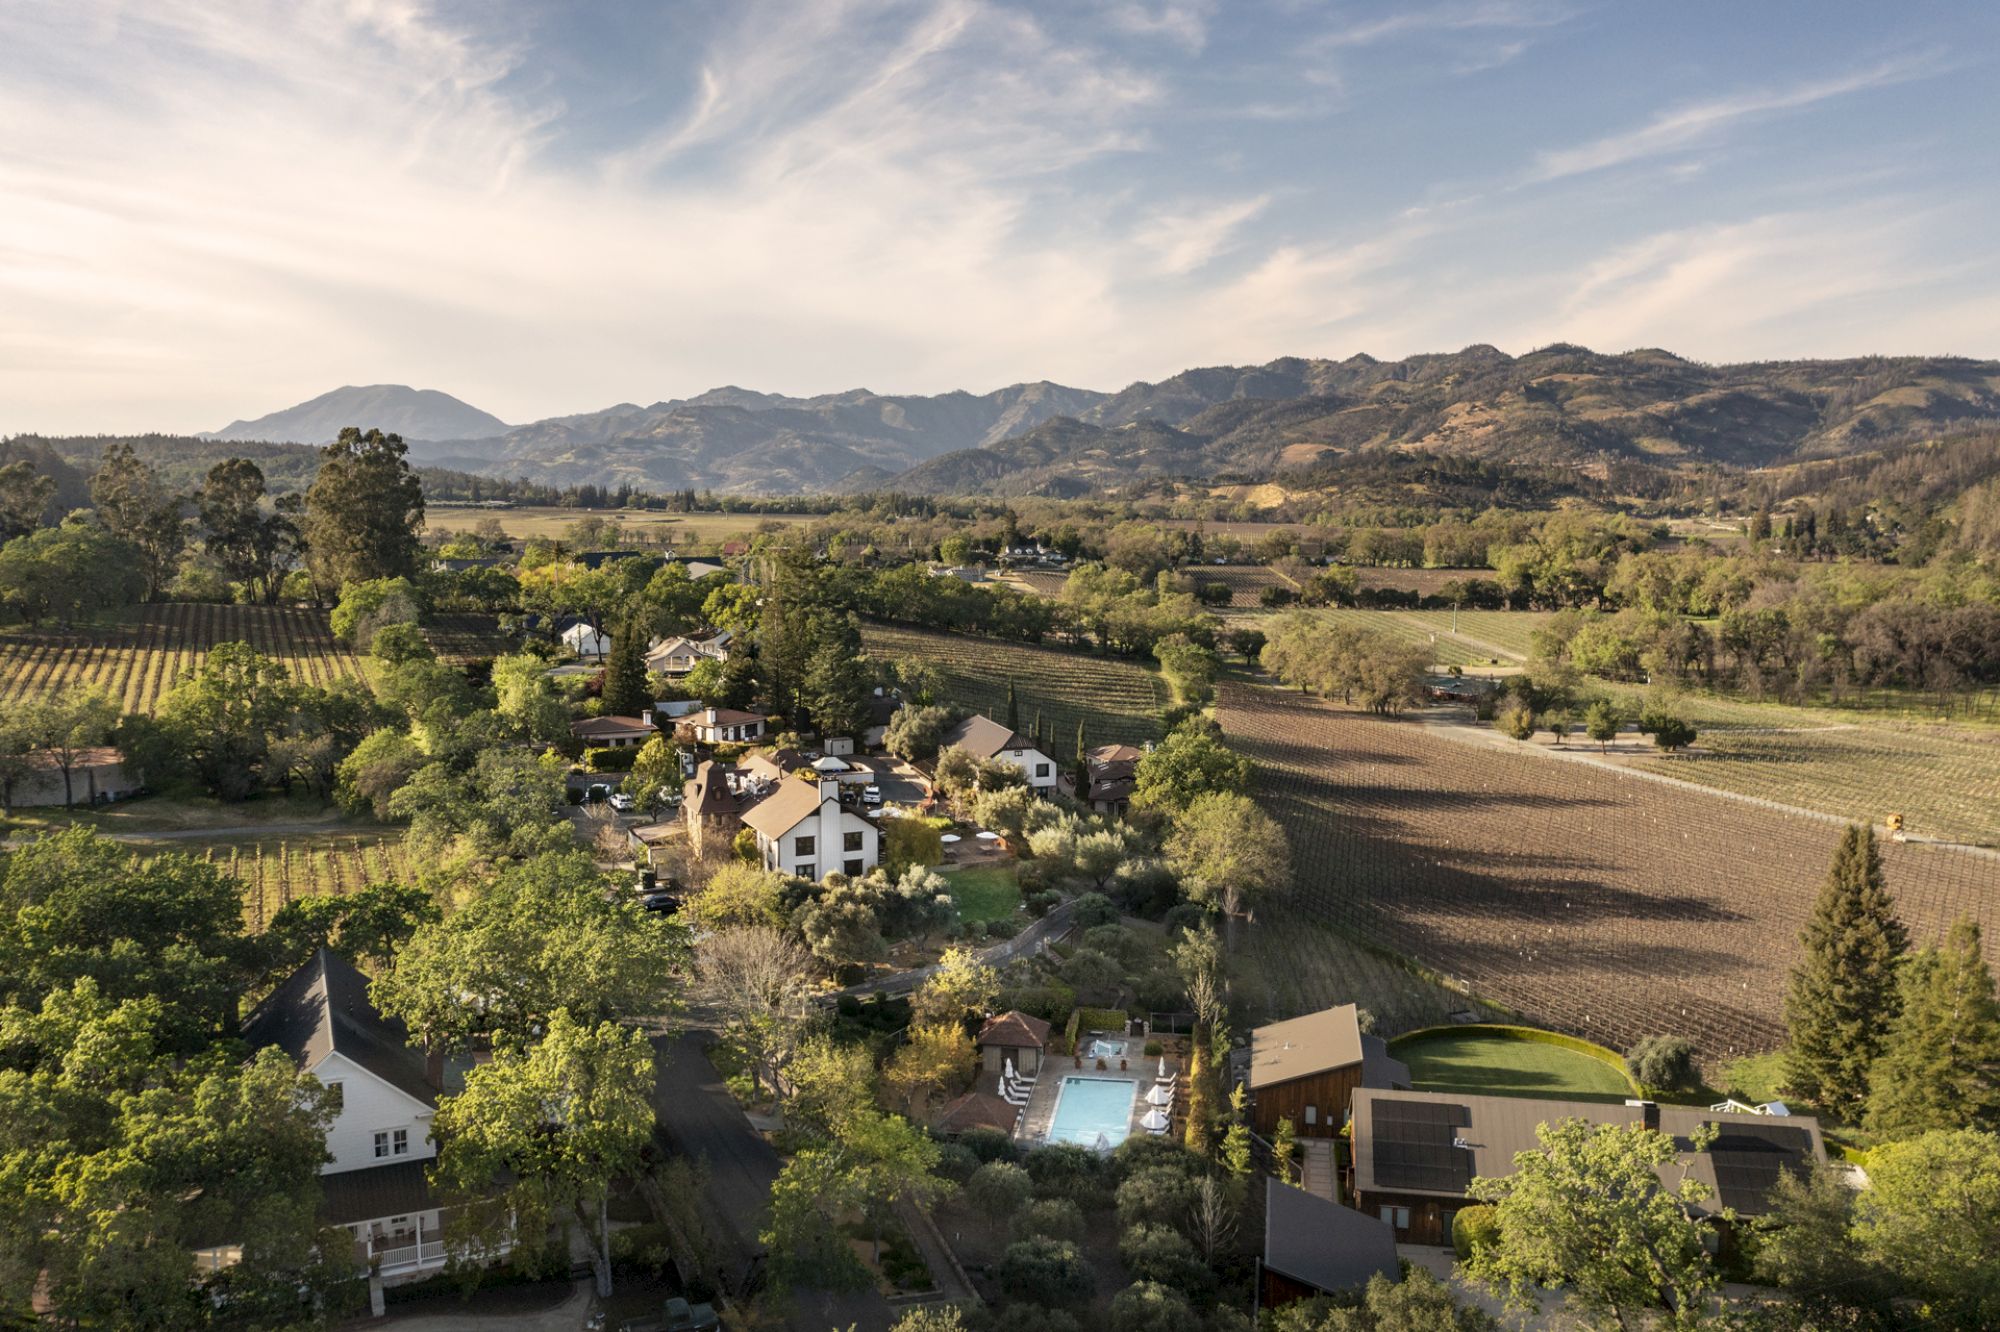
(984,738)
(803,829)
(380,1139)
(675,657)
(587,641)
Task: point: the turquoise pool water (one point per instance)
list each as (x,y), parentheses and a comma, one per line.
(1093,1112)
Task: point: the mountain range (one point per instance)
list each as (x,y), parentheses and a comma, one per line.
(1561,406)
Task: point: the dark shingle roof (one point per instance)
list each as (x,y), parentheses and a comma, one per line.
(1322,1244)
(323,1008)
(1015,1030)
(348,1196)
(982,737)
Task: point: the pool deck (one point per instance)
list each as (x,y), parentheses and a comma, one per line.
(1041,1110)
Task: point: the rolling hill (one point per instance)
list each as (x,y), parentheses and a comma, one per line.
(411,413)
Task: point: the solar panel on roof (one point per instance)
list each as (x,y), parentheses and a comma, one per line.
(1413,1146)
(1748,1157)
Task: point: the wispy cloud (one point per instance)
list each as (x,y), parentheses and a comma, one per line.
(1183,22)
(1409,21)
(1187,240)
(1699,122)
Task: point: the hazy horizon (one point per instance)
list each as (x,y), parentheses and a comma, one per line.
(212,212)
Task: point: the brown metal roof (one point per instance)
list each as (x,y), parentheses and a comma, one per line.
(1302,1046)
(1489,1130)
(784,809)
(1015,1030)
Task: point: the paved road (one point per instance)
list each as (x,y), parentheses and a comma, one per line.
(701,1120)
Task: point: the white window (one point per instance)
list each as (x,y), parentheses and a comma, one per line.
(1312,1114)
(381,1144)
(400,1142)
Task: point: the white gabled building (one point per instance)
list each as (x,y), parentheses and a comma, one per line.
(984,738)
(587,642)
(375,1185)
(803,829)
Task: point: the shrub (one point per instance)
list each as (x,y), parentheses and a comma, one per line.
(1474,1228)
(1148,1306)
(1065,1170)
(1664,1063)
(1152,1252)
(1041,903)
(1186,916)
(999,1189)
(1046,1271)
(1154,1049)
(1002,929)
(1159,1193)
(1051,1003)
(1142,1153)
(988,1144)
(1111,940)
(610,760)
(956,1162)
(1050,1218)
(1095,909)
(1031,1318)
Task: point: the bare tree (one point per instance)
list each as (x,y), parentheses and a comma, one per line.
(757,978)
(1213,1217)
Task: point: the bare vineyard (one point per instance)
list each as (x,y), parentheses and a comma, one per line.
(276,871)
(137,657)
(1117,700)
(1602,904)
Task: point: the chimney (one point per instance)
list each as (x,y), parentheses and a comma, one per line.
(645,716)
(829,788)
(1649,1113)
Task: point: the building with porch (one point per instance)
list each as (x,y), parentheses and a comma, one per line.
(1013,1035)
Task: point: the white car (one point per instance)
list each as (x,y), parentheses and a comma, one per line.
(871,794)
(622,803)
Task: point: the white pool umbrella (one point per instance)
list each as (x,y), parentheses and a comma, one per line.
(1163,1066)
(1153,1121)
(989,837)
(949,838)
(1160,1095)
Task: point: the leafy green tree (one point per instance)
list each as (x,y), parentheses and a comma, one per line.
(827,1084)
(222,716)
(543,935)
(872,1162)
(1602,723)
(835,691)
(140,511)
(62,726)
(367,605)
(655,768)
(1664,1063)
(376,769)
(255,548)
(915,731)
(1805,1245)
(1229,853)
(959,986)
(1591,1213)
(1046,1271)
(1191,762)
(525,701)
(25,494)
(69,572)
(1941,1066)
(362,512)
(367,927)
(1931,1215)
(1148,1306)
(538,1135)
(1842,1001)
(72,906)
(999,1189)
(1516,721)
(509,806)
(1417,1303)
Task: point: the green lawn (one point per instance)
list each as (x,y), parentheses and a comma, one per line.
(1496,1066)
(987,893)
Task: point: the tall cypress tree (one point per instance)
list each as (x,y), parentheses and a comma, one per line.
(1942,1067)
(626,689)
(1843,995)
(1013,709)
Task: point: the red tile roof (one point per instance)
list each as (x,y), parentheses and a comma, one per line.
(1015,1030)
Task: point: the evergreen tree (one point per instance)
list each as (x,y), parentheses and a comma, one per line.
(1843,991)
(1013,709)
(1942,1067)
(1082,746)
(362,512)
(1200,1137)
(627,691)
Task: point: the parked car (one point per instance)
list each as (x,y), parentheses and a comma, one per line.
(597,791)
(871,794)
(623,803)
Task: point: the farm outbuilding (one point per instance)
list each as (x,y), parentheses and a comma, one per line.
(1016,1036)
(1307,1069)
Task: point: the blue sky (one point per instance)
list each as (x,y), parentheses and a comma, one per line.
(211,210)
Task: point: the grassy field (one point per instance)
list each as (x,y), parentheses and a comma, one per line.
(1119,701)
(1494,1066)
(136,655)
(1511,632)
(651,526)
(987,892)
(1444,650)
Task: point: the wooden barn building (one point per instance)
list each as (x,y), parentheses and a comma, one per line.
(1307,1069)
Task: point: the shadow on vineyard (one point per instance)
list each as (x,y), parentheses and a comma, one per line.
(1602,904)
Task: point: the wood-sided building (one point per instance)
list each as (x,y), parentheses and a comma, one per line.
(1313,1246)
(1307,1069)
(1415,1154)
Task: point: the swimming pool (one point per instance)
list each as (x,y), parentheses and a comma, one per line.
(1093,1112)
(1102,1047)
